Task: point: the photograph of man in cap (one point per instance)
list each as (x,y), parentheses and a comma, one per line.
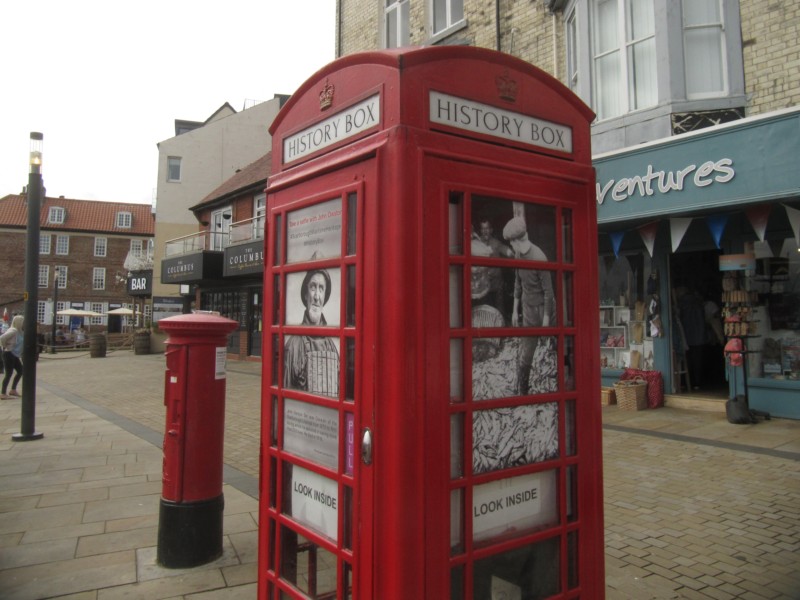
(312,357)
(534,299)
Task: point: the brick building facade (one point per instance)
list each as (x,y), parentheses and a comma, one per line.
(84,245)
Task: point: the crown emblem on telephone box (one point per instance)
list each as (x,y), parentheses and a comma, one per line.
(506,87)
(326,96)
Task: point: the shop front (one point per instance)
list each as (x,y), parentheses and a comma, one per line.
(699,265)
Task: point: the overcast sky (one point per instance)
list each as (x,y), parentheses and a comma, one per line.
(104,80)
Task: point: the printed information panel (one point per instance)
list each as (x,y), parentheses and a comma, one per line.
(314,501)
(311,432)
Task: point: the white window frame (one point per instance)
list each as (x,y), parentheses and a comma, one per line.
(41,311)
(124,220)
(220,228)
(626,66)
(62,272)
(44,276)
(453,15)
(136,248)
(99,278)
(100,247)
(260,211)
(690,59)
(62,319)
(45,243)
(396,23)
(571,37)
(99,307)
(174,170)
(56,215)
(62,245)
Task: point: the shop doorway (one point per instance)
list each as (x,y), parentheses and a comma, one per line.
(697,340)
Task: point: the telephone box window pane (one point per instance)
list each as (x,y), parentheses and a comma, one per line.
(276,254)
(456,445)
(529,572)
(496,292)
(513,507)
(568,299)
(311,499)
(314,232)
(311,364)
(352,216)
(312,432)
(276,299)
(512,437)
(349,443)
(569,427)
(572,493)
(274,433)
(271,545)
(273,481)
(347,534)
(350,370)
(524,230)
(456,370)
(514,366)
(457,583)
(347,575)
(307,566)
(566,235)
(275,359)
(455,296)
(350,308)
(572,559)
(569,363)
(456,223)
(313,297)
(456,522)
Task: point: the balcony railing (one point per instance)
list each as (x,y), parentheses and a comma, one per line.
(247,230)
(196,242)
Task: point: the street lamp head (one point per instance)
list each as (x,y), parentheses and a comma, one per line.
(37,145)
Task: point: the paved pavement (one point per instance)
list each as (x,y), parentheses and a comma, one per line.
(695,508)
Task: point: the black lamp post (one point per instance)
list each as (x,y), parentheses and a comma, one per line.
(55,309)
(31,297)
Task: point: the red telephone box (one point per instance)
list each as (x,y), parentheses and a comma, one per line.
(431,415)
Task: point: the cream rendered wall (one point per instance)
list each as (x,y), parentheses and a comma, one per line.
(209,155)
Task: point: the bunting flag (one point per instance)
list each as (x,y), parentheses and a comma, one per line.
(794,221)
(678,227)
(716,225)
(616,241)
(758,217)
(648,233)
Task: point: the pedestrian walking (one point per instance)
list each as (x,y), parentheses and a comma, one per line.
(11,342)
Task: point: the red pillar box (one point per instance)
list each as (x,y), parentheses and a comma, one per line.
(431,421)
(190,518)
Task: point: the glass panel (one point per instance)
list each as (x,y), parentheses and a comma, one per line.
(518,366)
(456,445)
(313,297)
(311,499)
(569,363)
(311,432)
(273,481)
(570,447)
(350,308)
(531,572)
(700,12)
(566,236)
(567,298)
(350,370)
(456,370)
(606,27)
(347,576)
(274,433)
(307,566)
(276,299)
(704,67)
(504,228)
(311,364)
(275,359)
(643,84)
(515,436)
(572,559)
(457,583)
(455,296)
(513,507)
(314,232)
(347,534)
(455,223)
(572,493)
(352,218)
(533,303)
(278,241)
(271,545)
(608,81)
(456,521)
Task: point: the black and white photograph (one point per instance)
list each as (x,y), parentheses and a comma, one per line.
(514,366)
(311,364)
(514,436)
(313,298)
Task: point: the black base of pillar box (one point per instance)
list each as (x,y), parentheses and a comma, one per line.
(189,534)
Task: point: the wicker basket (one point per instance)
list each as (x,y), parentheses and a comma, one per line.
(607,396)
(631,394)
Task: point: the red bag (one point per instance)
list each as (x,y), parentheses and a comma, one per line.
(655,385)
